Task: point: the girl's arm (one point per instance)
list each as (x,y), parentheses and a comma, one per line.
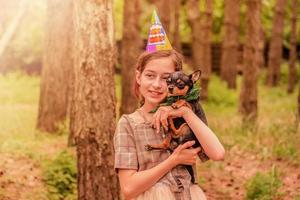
(209,141)
(134,183)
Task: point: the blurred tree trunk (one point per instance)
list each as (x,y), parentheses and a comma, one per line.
(164,12)
(201,41)
(248,95)
(71,107)
(131,48)
(206,22)
(57,64)
(299,103)
(293,46)
(176,42)
(193,17)
(261,43)
(94,99)
(230,44)
(275,50)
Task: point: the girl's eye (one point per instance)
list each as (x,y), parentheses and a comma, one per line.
(150,75)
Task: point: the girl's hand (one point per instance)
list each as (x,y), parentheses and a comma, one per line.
(162,114)
(185,155)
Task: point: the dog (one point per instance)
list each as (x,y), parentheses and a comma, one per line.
(181,92)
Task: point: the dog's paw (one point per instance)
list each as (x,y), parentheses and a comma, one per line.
(148,147)
(174,106)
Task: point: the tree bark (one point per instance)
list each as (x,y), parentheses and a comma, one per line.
(229,60)
(164,13)
(176,42)
(131,48)
(193,17)
(298,104)
(293,46)
(261,43)
(95,99)
(206,49)
(57,63)
(275,52)
(248,95)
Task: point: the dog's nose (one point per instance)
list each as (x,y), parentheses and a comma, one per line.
(171,89)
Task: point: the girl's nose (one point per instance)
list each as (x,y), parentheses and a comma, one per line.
(157,83)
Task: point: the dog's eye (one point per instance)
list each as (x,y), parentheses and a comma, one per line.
(180,85)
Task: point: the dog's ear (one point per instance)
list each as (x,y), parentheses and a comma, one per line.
(195,76)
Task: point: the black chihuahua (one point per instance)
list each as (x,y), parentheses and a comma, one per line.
(181,92)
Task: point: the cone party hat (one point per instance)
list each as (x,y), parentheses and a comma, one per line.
(157,37)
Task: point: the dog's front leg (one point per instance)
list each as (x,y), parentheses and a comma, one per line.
(164,145)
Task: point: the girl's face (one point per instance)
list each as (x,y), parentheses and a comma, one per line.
(152,80)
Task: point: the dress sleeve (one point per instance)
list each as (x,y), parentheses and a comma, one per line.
(124,146)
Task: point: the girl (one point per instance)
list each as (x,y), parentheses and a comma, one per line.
(158,174)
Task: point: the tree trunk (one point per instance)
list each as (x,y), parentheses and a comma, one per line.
(229,60)
(206,49)
(94,99)
(275,52)
(261,43)
(57,63)
(193,17)
(293,46)
(248,95)
(131,48)
(298,104)
(164,13)
(176,42)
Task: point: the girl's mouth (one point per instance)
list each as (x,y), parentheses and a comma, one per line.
(155,93)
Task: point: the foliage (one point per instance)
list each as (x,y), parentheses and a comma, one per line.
(60,175)
(220,95)
(264,186)
(285,150)
(63,128)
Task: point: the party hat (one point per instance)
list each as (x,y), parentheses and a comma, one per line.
(157,37)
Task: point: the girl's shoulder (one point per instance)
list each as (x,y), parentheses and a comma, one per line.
(133,119)
(131,124)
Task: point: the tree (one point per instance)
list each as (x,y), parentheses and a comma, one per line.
(164,11)
(131,48)
(176,42)
(94,119)
(248,95)
(293,46)
(230,44)
(298,103)
(206,49)
(201,40)
(275,51)
(261,43)
(57,64)
(193,18)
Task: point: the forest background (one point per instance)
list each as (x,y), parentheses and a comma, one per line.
(38,153)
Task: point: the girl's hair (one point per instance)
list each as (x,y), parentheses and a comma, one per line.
(146,57)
